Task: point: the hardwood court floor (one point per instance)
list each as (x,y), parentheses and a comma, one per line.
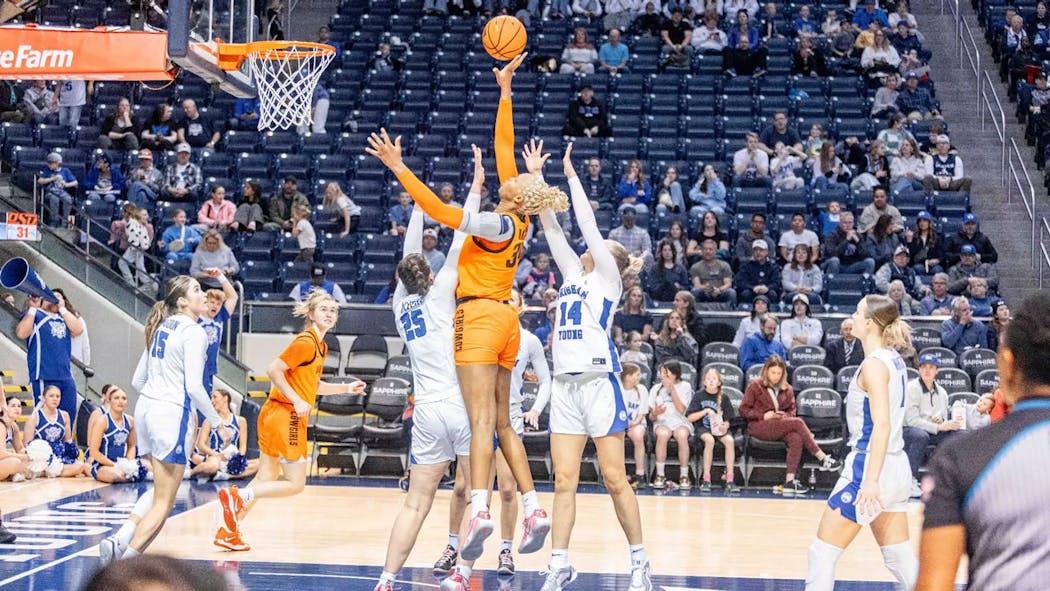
(334,535)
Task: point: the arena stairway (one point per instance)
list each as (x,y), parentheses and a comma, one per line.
(1006,224)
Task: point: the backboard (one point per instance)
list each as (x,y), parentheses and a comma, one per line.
(194,28)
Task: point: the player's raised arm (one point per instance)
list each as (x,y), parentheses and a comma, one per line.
(563,254)
(414,233)
(504,135)
(604,263)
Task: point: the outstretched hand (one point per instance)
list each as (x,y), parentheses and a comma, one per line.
(389,152)
(534,157)
(505,74)
(566,161)
(479,169)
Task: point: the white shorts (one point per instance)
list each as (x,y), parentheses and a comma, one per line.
(164,431)
(673,423)
(516,419)
(894,486)
(589,403)
(440,431)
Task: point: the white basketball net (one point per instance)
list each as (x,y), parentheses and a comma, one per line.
(285,78)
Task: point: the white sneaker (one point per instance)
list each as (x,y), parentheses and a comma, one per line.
(18,477)
(110,549)
(220,476)
(557,579)
(187,473)
(640,580)
(916,490)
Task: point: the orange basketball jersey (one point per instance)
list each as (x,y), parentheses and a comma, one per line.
(486,269)
(305,360)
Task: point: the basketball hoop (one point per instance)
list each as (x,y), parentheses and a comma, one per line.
(284,73)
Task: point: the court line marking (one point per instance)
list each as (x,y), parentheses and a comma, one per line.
(324,576)
(59,561)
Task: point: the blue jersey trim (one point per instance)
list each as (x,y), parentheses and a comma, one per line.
(869,426)
(1001,454)
(178,454)
(619,423)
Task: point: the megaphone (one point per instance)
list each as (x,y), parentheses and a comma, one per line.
(17,274)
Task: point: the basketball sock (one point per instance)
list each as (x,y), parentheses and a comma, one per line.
(638,555)
(143,504)
(660,468)
(479,501)
(464,571)
(901,561)
(125,533)
(453,540)
(505,545)
(130,553)
(820,574)
(530,503)
(387,577)
(559,559)
(247,494)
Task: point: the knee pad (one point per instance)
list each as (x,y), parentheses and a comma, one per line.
(820,572)
(901,561)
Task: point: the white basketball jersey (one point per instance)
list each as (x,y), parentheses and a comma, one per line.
(858,409)
(582,326)
(529,350)
(175,341)
(425,323)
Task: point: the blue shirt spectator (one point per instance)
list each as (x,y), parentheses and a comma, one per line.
(752,37)
(400,214)
(805,26)
(961,331)
(180,231)
(612,53)
(759,346)
(863,18)
(104,180)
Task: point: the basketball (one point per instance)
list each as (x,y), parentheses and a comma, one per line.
(504,37)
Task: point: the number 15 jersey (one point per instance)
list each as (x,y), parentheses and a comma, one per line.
(583,324)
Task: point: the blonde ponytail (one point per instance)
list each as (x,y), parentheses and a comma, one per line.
(538,195)
(897,335)
(626,263)
(157,314)
(177,287)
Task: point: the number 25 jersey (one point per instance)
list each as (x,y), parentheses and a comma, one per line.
(425,324)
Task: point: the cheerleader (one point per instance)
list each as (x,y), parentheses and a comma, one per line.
(48,329)
(14,462)
(111,438)
(224,463)
(51,424)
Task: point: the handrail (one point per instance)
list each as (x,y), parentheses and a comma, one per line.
(1044,230)
(1025,189)
(974,57)
(987,88)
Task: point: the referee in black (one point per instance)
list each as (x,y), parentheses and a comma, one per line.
(987,493)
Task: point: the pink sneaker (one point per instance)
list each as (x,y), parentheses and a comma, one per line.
(384,587)
(481,527)
(536,527)
(455,582)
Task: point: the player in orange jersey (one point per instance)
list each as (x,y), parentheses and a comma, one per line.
(485,332)
(296,379)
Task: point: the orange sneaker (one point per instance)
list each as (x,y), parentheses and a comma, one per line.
(231,541)
(232,503)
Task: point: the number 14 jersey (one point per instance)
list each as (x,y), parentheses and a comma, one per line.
(586,306)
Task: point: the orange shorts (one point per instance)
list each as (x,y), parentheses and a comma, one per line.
(282,434)
(486,332)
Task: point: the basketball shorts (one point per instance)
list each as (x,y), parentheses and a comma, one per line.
(486,332)
(282,433)
(440,431)
(894,486)
(589,403)
(164,430)
(516,419)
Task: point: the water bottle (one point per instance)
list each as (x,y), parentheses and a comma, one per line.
(959,413)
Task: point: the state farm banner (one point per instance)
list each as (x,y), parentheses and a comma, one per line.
(105,53)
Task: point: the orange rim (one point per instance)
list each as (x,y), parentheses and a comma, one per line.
(230,55)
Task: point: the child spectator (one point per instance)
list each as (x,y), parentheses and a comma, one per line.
(344,211)
(633,353)
(179,239)
(541,278)
(303,231)
(668,401)
(713,409)
(636,401)
(249,214)
(135,235)
(979,414)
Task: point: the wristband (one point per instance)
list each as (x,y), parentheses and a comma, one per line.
(62,311)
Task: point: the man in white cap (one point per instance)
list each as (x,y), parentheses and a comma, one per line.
(435,258)
(182,179)
(944,171)
(759,276)
(55,180)
(145,181)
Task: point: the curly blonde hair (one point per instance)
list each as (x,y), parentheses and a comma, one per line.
(538,195)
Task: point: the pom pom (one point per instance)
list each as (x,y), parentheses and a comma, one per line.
(39,452)
(128,467)
(54,469)
(229,451)
(236,464)
(71,452)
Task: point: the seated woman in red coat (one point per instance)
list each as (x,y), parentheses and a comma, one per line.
(769,407)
